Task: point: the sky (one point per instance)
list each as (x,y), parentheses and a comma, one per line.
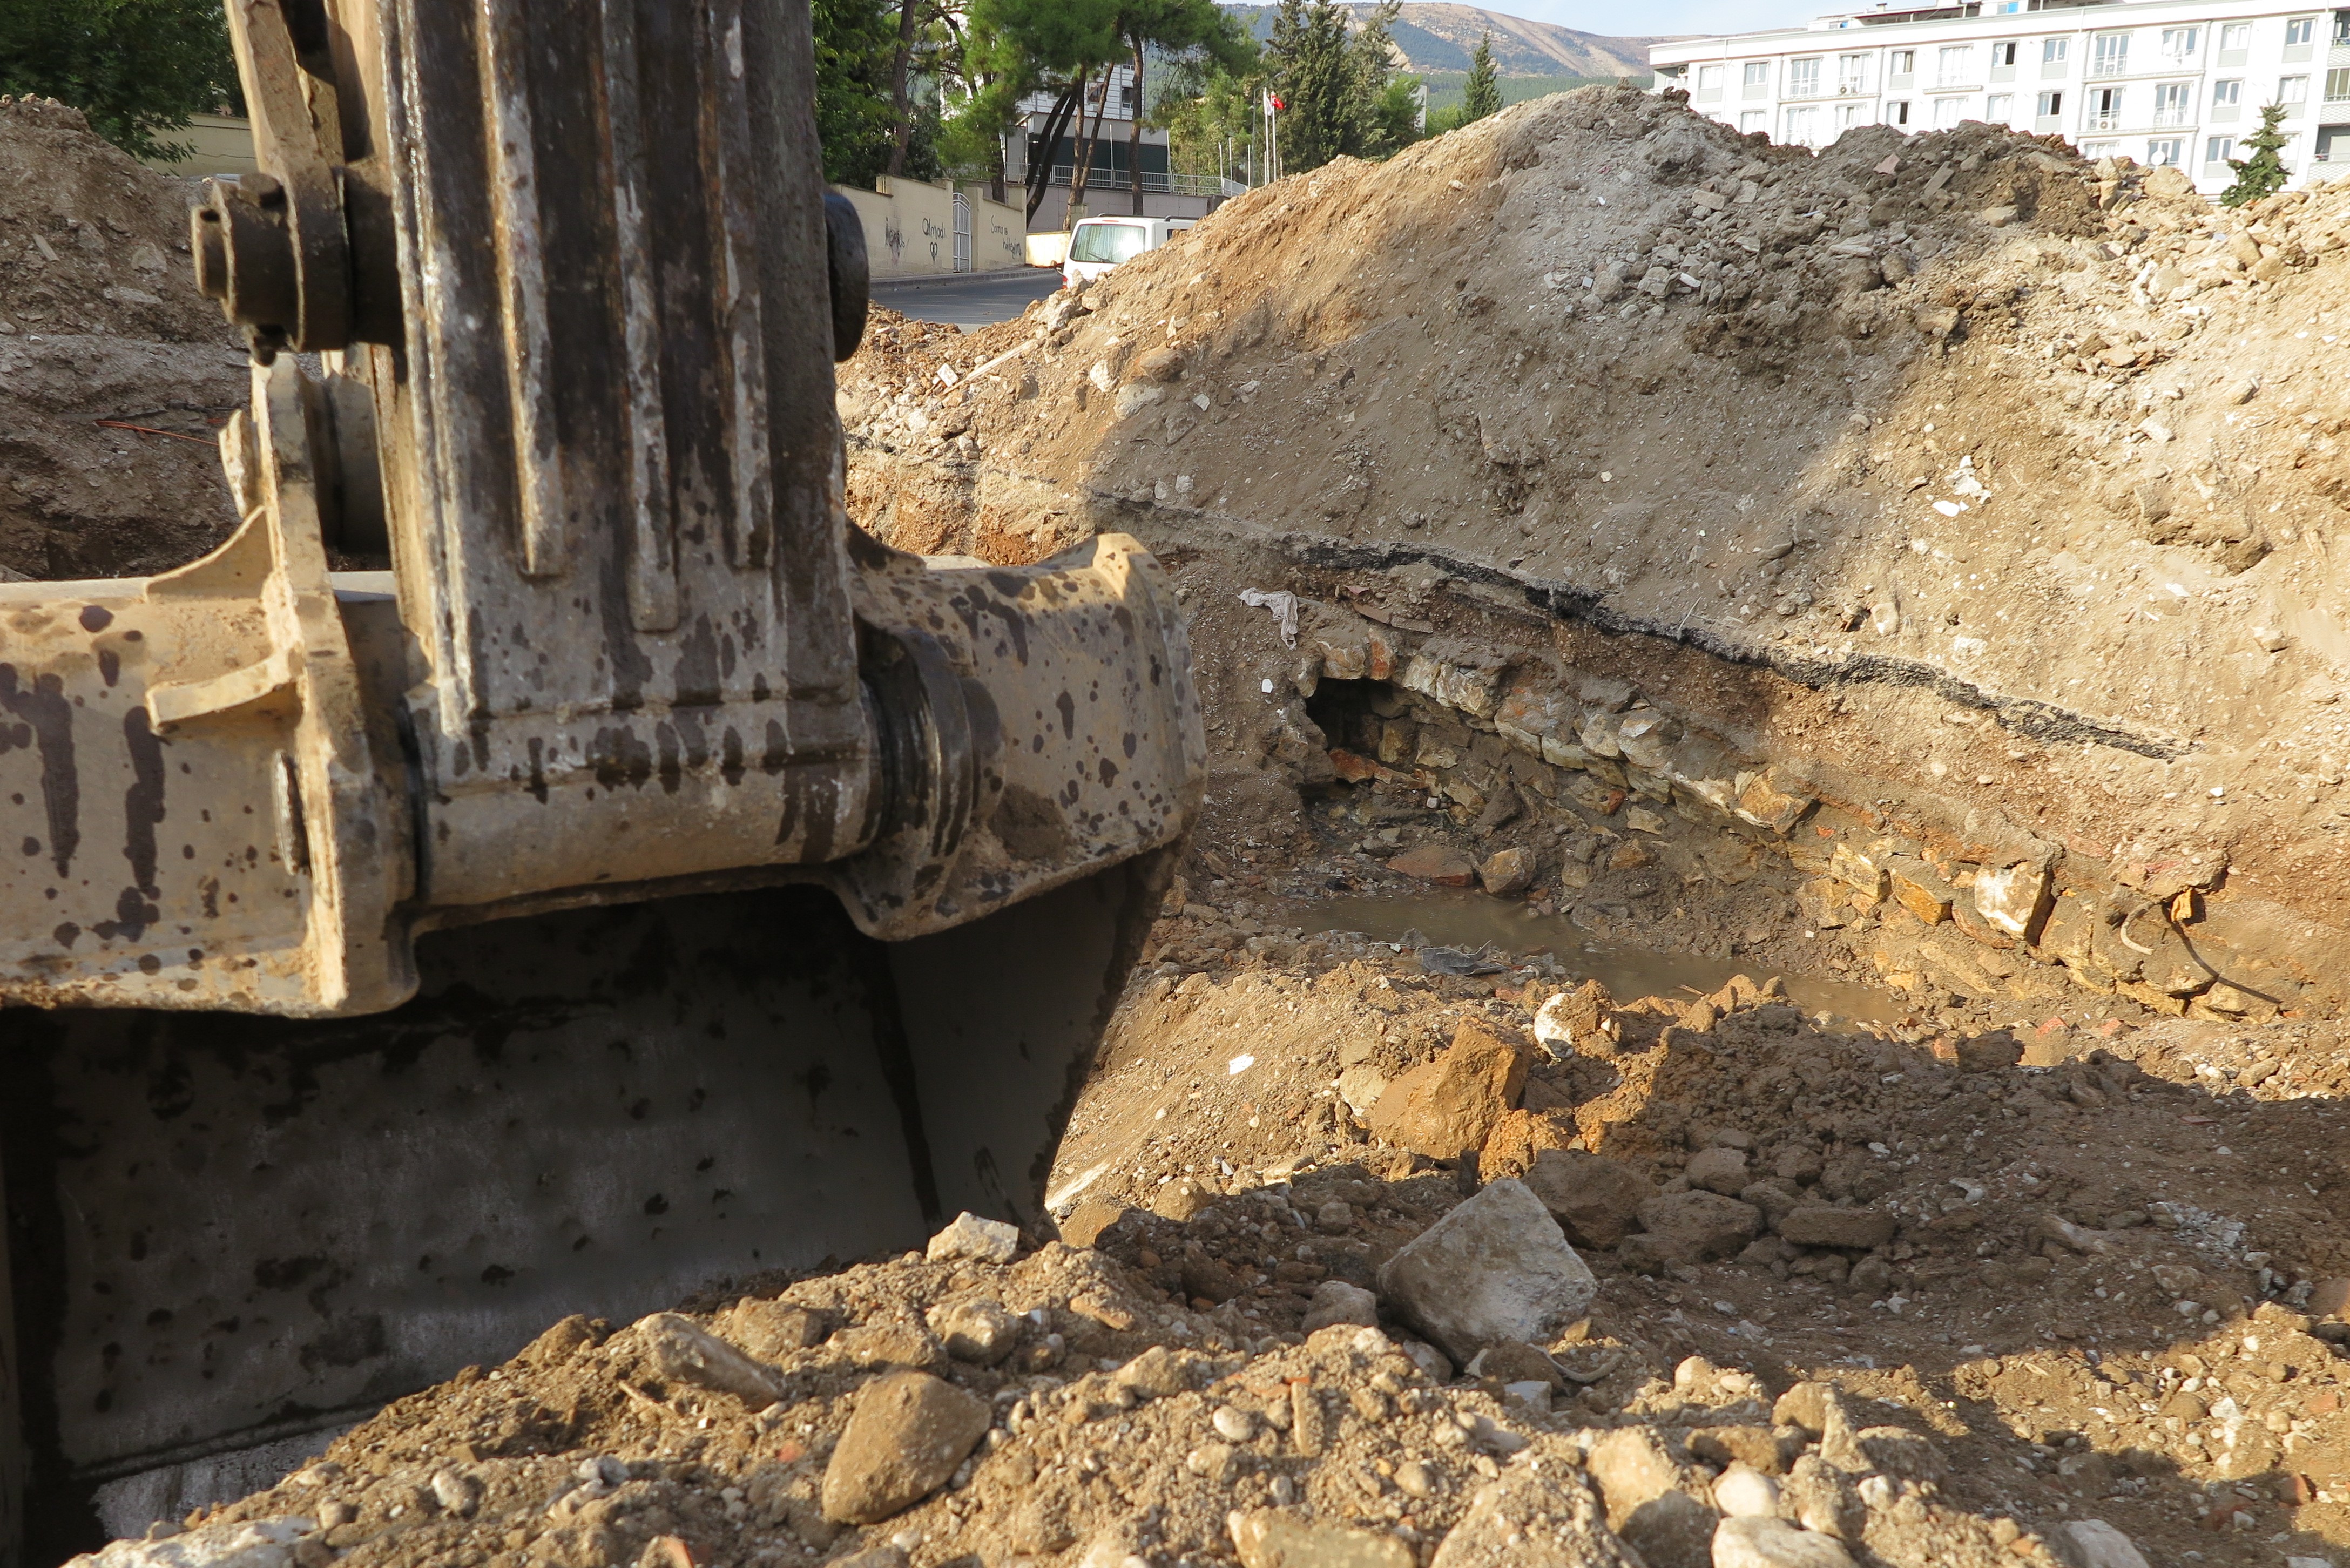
(1666,16)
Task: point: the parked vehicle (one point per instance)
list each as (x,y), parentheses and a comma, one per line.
(1097,244)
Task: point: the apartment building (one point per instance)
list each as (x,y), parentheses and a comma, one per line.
(1109,183)
(2166,82)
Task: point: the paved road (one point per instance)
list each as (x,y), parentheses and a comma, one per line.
(972,298)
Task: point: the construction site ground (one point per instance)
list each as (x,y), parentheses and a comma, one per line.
(1693,579)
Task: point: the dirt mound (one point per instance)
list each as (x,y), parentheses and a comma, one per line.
(2004,482)
(1926,1325)
(91,241)
(115,373)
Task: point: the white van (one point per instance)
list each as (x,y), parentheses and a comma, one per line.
(1097,244)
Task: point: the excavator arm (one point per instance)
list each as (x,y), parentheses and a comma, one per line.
(650,878)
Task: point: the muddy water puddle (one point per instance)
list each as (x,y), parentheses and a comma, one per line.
(1466,922)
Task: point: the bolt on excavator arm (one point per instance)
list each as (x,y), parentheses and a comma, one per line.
(649,878)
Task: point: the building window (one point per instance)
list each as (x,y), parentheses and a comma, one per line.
(1897,112)
(2218,149)
(2109,55)
(2104,108)
(1847,116)
(2298,30)
(2051,105)
(1803,127)
(1904,62)
(1709,79)
(2163,151)
(2171,103)
(1804,78)
(2002,54)
(2227,94)
(2055,51)
(1949,111)
(2180,43)
(1758,73)
(2341,29)
(1751,121)
(1954,65)
(2337,85)
(2292,92)
(1999,108)
(2236,35)
(1852,74)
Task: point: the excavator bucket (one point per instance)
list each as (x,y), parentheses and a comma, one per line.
(650,879)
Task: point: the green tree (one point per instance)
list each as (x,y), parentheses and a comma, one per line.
(1309,71)
(855,40)
(1335,83)
(1187,30)
(1386,106)
(1395,118)
(1016,48)
(1481,95)
(136,68)
(2263,172)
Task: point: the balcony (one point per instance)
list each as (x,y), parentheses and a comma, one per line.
(2110,66)
(2103,123)
(2172,116)
(2048,125)
(1852,86)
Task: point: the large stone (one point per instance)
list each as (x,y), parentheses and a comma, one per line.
(1596,1201)
(1757,1542)
(2013,901)
(1572,1020)
(682,1351)
(2093,1543)
(259,1543)
(908,1434)
(1825,1225)
(1497,1268)
(1917,889)
(1436,863)
(976,1240)
(1698,1227)
(1506,871)
(1448,1106)
(1267,1537)
(1336,1302)
(1722,1170)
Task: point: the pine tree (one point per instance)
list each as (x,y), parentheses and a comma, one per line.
(1482,94)
(1313,75)
(2263,172)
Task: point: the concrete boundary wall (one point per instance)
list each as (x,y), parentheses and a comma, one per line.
(909,229)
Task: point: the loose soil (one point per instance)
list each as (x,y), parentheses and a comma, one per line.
(1725,471)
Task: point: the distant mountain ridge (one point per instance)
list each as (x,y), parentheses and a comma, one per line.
(1438,36)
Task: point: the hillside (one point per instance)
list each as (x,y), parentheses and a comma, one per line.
(1439,36)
